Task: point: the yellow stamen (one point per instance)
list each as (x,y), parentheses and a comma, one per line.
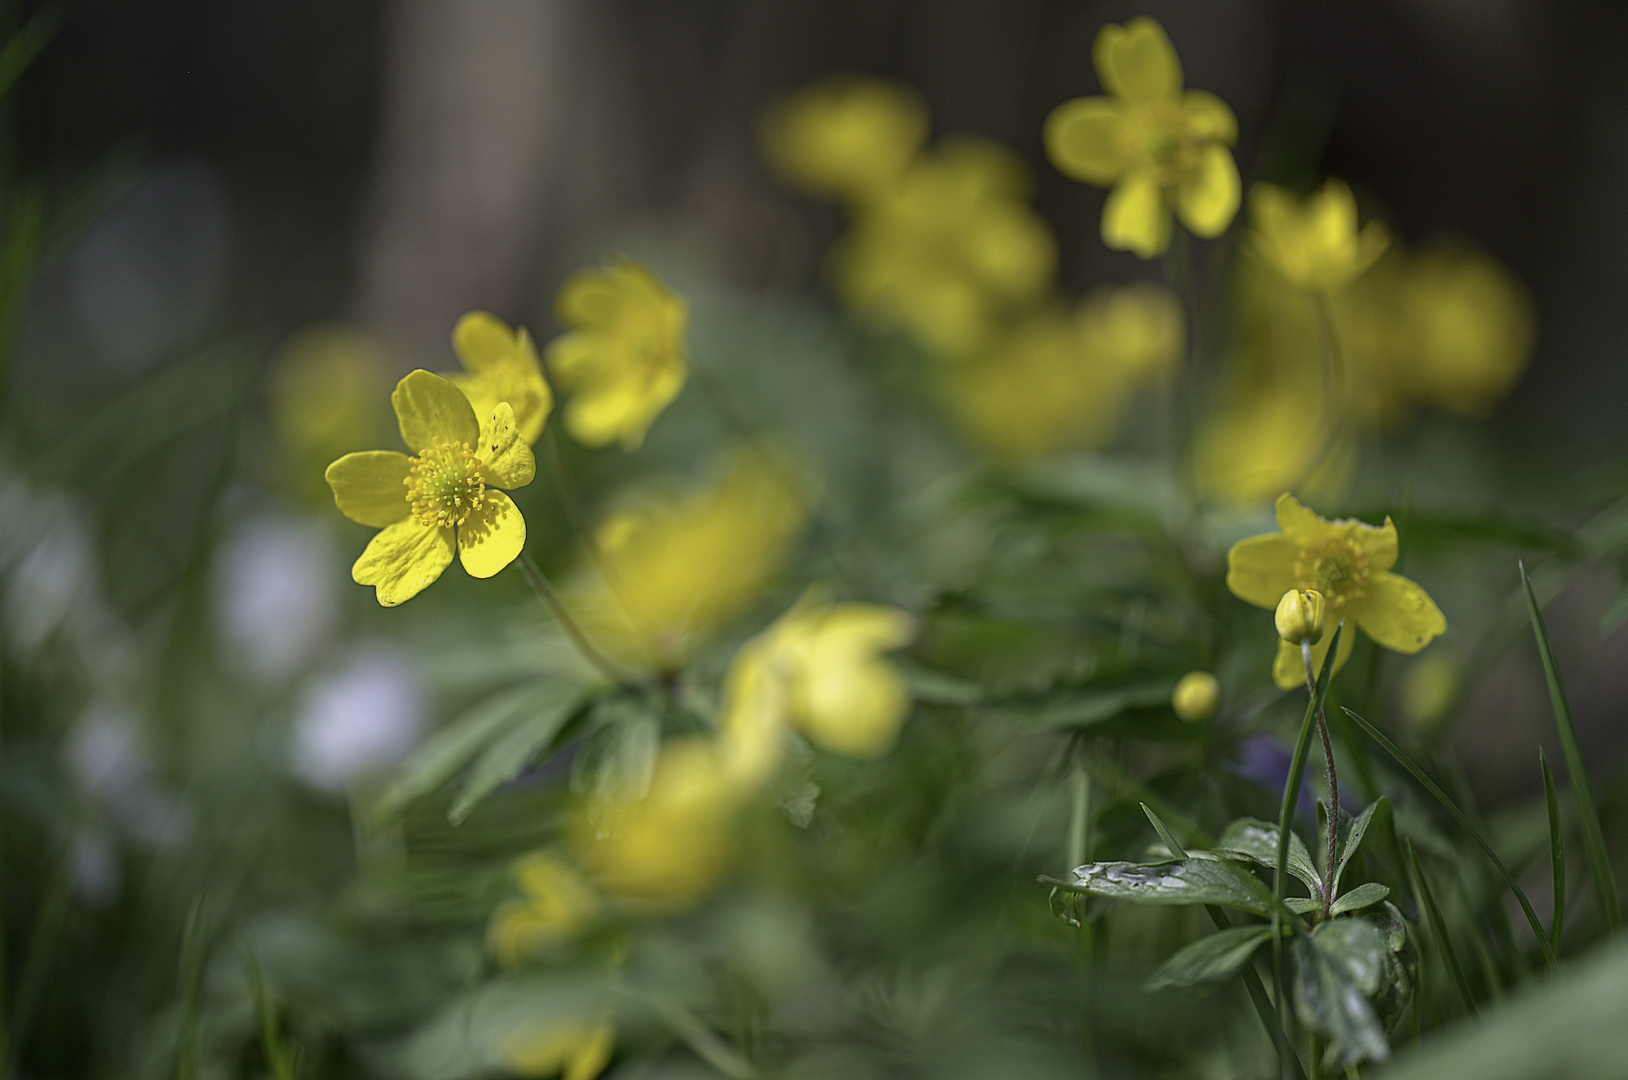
(445,484)
(1337,568)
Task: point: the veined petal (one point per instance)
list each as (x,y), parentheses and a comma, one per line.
(429,407)
(403,560)
(1398,614)
(1136,61)
(1379,545)
(1082,139)
(1260,569)
(1301,525)
(483,341)
(504,453)
(369,486)
(1209,117)
(1289,668)
(1135,217)
(493,537)
(1208,196)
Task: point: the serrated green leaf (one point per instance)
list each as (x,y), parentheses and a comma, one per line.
(1257,841)
(1369,892)
(1351,834)
(1189,881)
(1337,968)
(1210,959)
(541,716)
(618,758)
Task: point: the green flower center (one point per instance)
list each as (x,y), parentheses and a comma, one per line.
(1337,568)
(1156,139)
(445,484)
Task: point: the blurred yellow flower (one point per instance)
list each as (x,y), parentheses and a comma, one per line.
(1060,380)
(1196,696)
(325,397)
(666,849)
(1266,439)
(570,1049)
(500,364)
(558,904)
(624,357)
(673,570)
(950,250)
(819,669)
(1430,687)
(1313,242)
(1156,146)
(445,496)
(846,136)
(1349,563)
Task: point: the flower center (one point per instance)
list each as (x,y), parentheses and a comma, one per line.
(1157,139)
(445,484)
(1337,568)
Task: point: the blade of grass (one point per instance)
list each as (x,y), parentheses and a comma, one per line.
(1438,929)
(279,1057)
(1252,981)
(1599,862)
(1291,795)
(1464,822)
(193,953)
(1557,851)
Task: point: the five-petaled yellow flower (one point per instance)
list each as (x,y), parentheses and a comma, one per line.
(1155,145)
(623,359)
(443,497)
(500,364)
(1314,242)
(819,669)
(1349,563)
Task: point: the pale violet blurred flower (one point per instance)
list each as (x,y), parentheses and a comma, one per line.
(54,576)
(108,755)
(277,596)
(360,719)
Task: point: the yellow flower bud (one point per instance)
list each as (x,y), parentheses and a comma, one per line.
(1299,617)
(1195,696)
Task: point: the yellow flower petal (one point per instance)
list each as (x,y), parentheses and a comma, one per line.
(1208,196)
(483,342)
(1398,614)
(1289,669)
(592,1055)
(403,560)
(1299,524)
(1082,139)
(1209,117)
(1379,544)
(751,727)
(368,486)
(1136,61)
(1261,569)
(1136,218)
(505,455)
(429,407)
(493,536)
(847,700)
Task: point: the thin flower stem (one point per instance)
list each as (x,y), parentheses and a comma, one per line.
(1334,405)
(551,599)
(1333,784)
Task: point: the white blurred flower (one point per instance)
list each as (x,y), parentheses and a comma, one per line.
(365,716)
(55,576)
(108,756)
(276,595)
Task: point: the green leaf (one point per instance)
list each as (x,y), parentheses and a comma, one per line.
(618,758)
(1588,816)
(1438,931)
(1210,959)
(1257,841)
(1188,881)
(937,687)
(1302,905)
(1557,851)
(1351,835)
(1337,968)
(1165,834)
(1464,822)
(1370,892)
(1088,708)
(545,711)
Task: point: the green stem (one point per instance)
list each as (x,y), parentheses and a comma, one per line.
(551,599)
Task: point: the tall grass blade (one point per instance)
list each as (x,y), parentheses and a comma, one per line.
(193,953)
(1438,929)
(1464,822)
(1599,863)
(1557,851)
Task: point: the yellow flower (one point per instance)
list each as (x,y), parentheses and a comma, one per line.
(1349,563)
(1061,380)
(1267,439)
(444,496)
(570,1049)
(672,570)
(325,397)
(500,364)
(818,668)
(559,903)
(1196,696)
(1314,242)
(624,358)
(1155,145)
(950,250)
(847,135)
(664,851)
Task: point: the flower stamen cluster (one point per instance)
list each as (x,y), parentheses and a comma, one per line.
(445,483)
(1339,567)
